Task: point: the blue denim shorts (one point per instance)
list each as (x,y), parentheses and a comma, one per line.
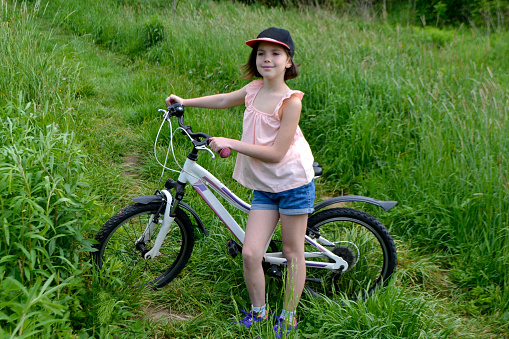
(296,201)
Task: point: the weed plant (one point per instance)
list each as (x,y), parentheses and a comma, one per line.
(412,114)
(47,209)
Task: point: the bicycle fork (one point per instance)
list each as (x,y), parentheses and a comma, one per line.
(165,227)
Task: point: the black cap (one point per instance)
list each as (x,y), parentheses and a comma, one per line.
(276,35)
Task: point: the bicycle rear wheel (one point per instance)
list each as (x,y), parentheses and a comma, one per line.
(117,249)
(363,242)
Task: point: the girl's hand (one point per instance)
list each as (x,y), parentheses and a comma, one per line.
(218,143)
(173,99)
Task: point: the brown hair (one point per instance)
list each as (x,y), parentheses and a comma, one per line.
(250,71)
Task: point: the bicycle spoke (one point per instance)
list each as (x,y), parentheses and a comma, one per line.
(360,240)
(119,252)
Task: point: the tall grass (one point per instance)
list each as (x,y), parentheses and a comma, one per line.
(412,114)
(423,123)
(33,66)
(46,204)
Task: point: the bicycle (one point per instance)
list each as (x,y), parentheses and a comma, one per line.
(352,252)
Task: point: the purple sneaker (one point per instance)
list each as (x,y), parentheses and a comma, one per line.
(250,319)
(282,327)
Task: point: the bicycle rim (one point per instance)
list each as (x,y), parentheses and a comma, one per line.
(118,254)
(363,242)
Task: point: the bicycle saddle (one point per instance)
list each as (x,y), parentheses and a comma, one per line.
(318,169)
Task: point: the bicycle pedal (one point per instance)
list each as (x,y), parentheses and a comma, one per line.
(274,271)
(233,247)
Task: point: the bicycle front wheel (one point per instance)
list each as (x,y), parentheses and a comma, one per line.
(118,251)
(363,242)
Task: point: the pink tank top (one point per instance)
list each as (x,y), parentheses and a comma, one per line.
(259,128)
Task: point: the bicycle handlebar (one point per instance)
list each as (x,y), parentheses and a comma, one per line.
(177,110)
(225,152)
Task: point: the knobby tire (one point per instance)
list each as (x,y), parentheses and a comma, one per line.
(116,249)
(361,240)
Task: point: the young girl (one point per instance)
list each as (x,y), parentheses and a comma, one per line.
(276,162)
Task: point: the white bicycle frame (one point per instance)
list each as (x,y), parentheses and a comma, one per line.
(205,184)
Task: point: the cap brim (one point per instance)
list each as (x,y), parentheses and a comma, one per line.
(252,42)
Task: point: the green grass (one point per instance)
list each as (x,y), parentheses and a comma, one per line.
(392,112)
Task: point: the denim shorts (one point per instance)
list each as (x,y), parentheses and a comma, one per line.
(295,201)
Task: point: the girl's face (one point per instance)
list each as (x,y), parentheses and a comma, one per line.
(272,60)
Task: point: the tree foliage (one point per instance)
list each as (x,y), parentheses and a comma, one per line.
(430,12)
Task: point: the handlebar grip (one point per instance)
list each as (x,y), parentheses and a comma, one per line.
(225,152)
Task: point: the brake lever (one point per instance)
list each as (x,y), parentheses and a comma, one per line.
(165,113)
(205,148)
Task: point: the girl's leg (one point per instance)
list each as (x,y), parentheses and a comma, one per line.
(293,230)
(259,229)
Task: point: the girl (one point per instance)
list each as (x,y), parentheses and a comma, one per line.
(276,162)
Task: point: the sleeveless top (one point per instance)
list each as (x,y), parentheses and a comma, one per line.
(259,128)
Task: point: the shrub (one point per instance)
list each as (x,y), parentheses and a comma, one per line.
(152,32)
(479,12)
(46,209)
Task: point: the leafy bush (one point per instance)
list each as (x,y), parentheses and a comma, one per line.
(46,209)
(435,12)
(479,12)
(439,37)
(152,32)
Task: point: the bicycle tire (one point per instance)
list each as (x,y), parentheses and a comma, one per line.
(117,251)
(359,234)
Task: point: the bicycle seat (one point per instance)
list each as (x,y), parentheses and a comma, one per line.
(318,170)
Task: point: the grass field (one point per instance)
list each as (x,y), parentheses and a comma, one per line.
(397,112)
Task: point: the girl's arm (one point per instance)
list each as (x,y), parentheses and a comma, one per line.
(271,154)
(224,100)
